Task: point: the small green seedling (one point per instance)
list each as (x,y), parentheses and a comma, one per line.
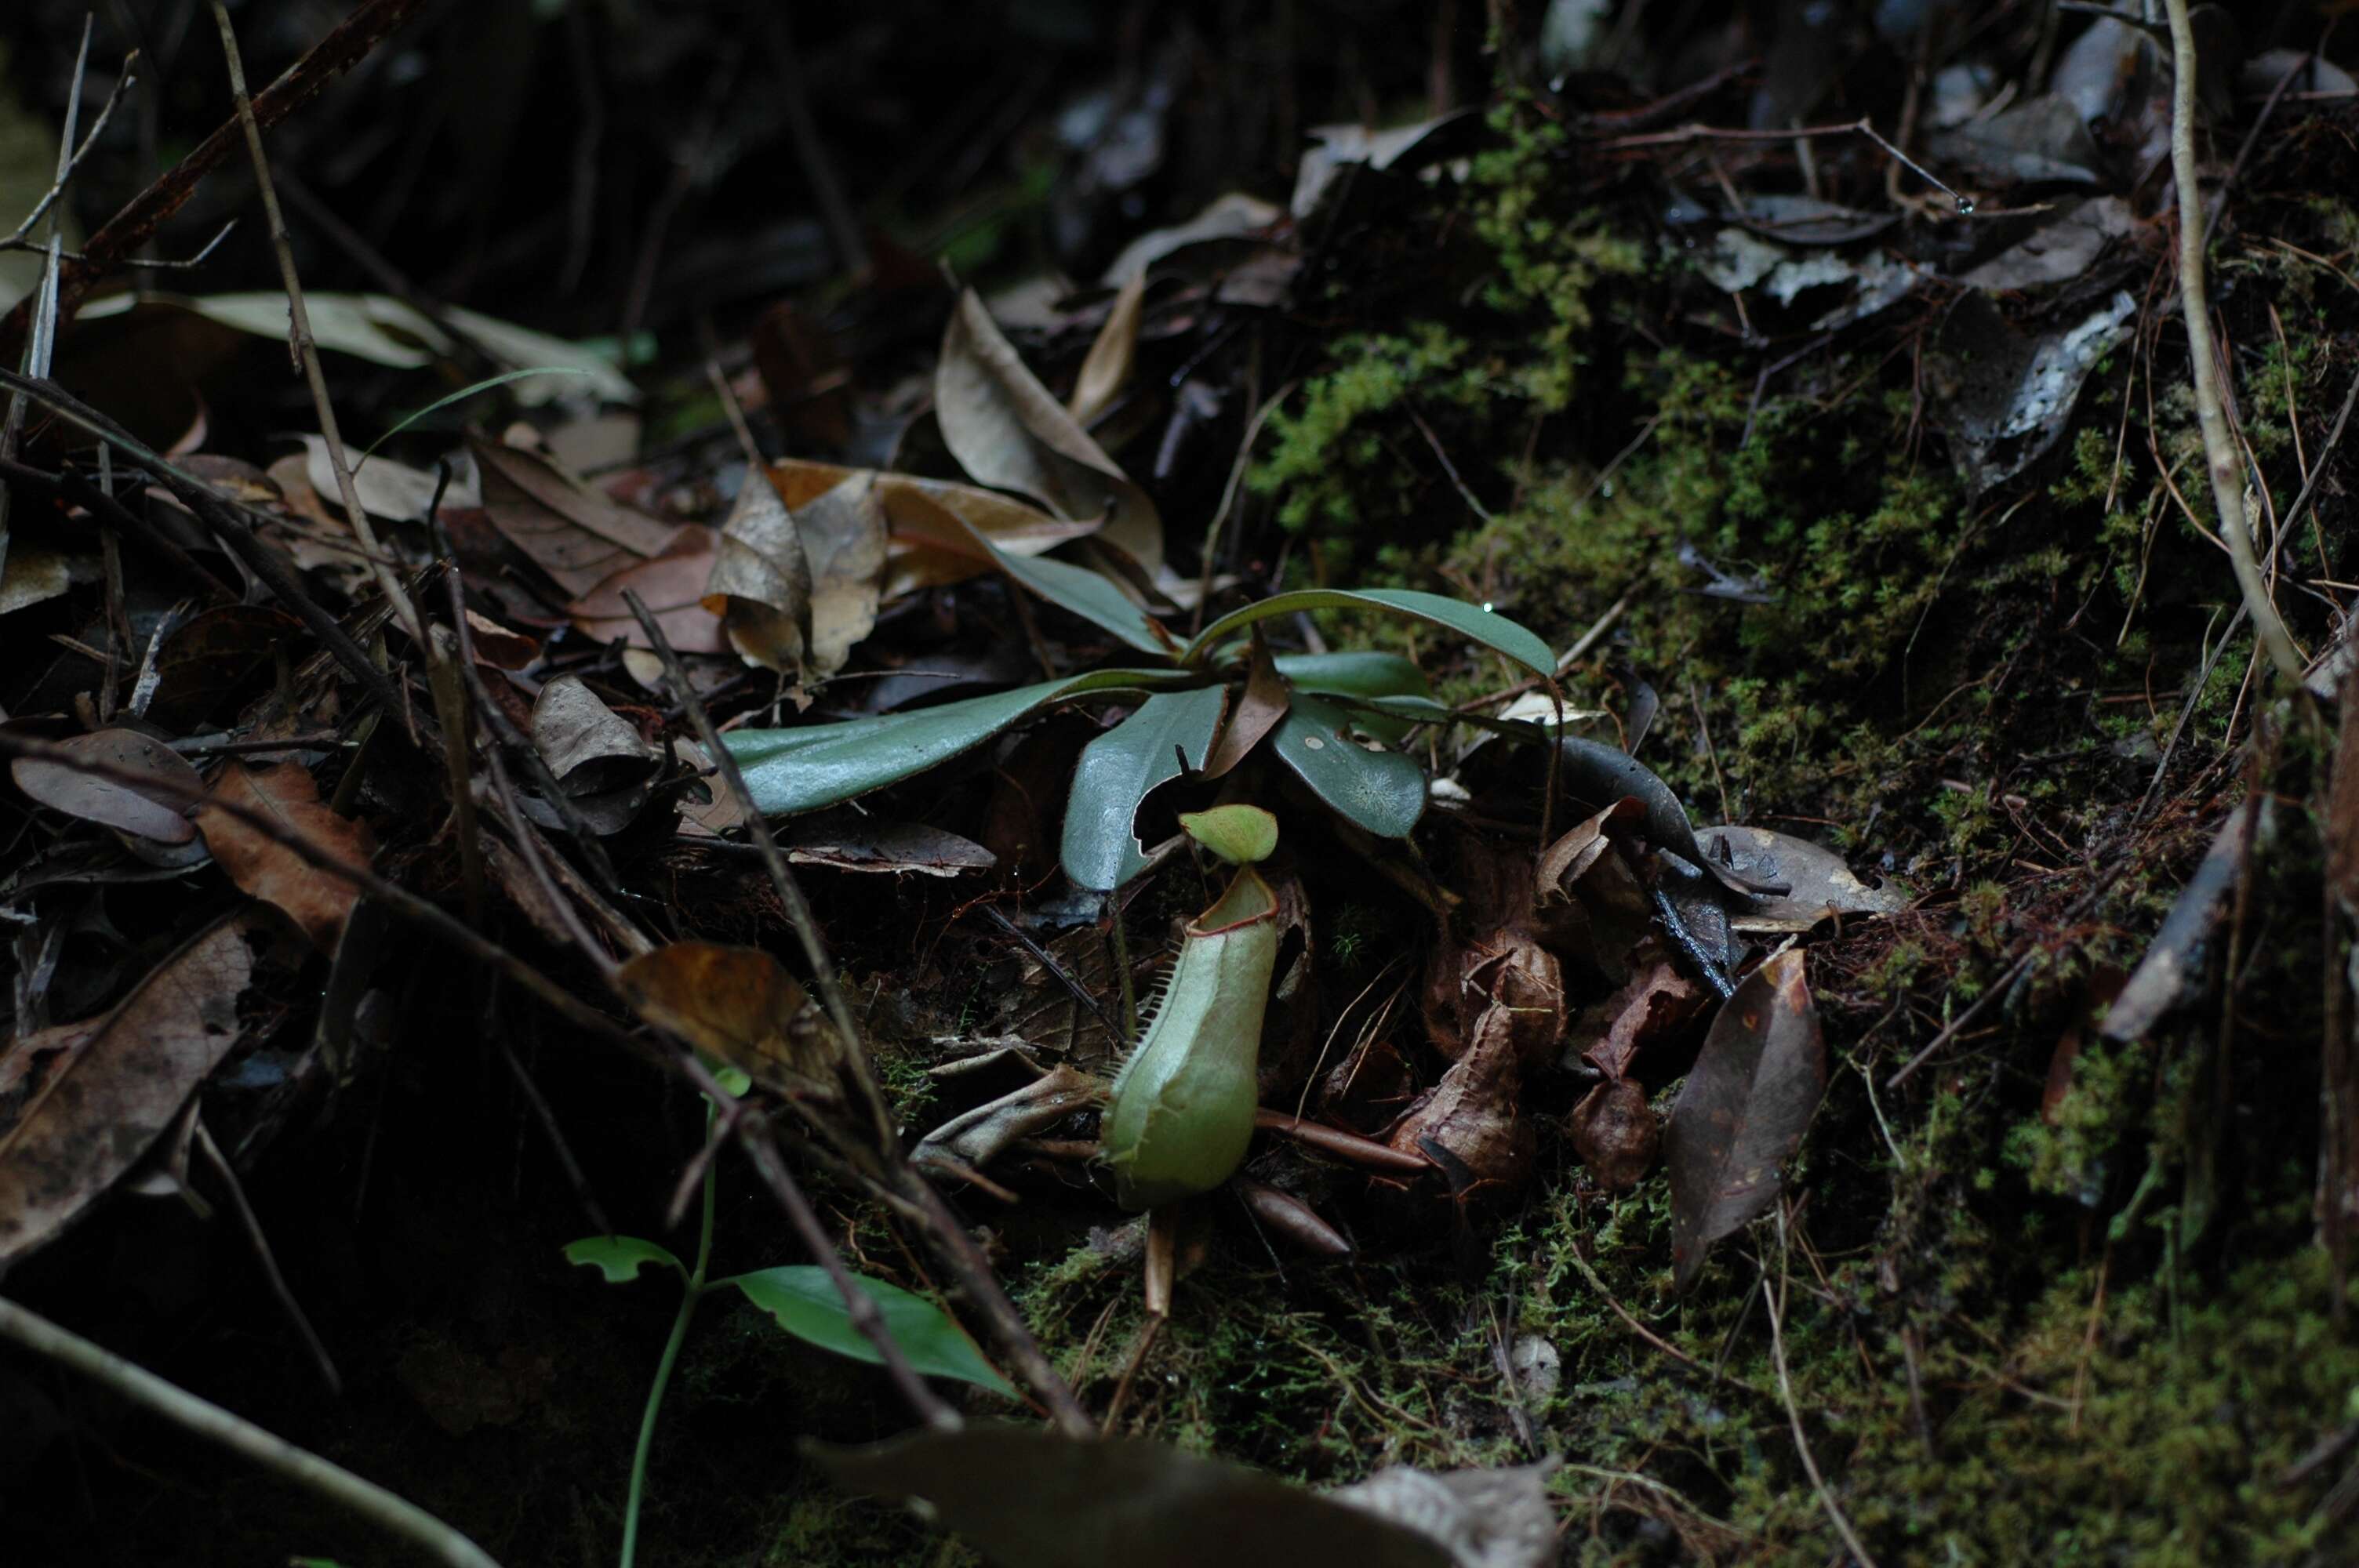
(800,1297)
(1182,1112)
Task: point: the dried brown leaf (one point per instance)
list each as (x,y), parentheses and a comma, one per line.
(1820,884)
(575,533)
(925,522)
(761,581)
(1263,703)
(671,585)
(1107,368)
(80,1103)
(1743,1110)
(285,793)
(588,746)
(738,1004)
(1614,1132)
(1006,431)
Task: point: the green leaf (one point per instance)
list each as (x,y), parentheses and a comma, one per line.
(620,1257)
(1384,791)
(1118,770)
(1361,674)
(1494,631)
(804,1301)
(790,770)
(1087,594)
(1241,835)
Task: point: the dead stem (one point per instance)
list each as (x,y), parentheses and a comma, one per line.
(2219,446)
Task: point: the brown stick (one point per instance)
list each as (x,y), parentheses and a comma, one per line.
(123,236)
(940,1227)
(223,518)
(306,352)
(2221,457)
(753,1135)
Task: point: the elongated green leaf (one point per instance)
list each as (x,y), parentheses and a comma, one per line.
(1358,673)
(1384,791)
(1362,675)
(1087,594)
(462,395)
(620,1257)
(789,771)
(1494,631)
(805,1302)
(1117,770)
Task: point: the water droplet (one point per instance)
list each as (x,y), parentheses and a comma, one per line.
(1965,206)
(1314,742)
(1486,606)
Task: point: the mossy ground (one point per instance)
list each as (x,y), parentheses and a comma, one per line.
(2084,1325)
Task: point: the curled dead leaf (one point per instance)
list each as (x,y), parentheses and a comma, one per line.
(1009,432)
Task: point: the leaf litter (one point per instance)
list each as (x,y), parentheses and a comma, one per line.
(943,642)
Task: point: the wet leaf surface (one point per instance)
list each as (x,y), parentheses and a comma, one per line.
(1117,771)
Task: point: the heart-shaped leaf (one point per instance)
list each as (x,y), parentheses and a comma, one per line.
(1742,1110)
(1494,631)
(1384,791)
(789,771)
(1115,773)
(1241,835)
(620,1257)
(804,1302)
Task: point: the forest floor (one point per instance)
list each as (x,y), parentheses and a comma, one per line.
(382,930)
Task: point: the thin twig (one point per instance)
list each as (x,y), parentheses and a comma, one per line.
(270,1261)
(782,877)
(124,233)
(398,900)
(2219,446)
(222,517)
(505,732)
(940,1227)
(69,161)
(1794,1417)
(753,1136)
(42,342)
(439,1541)
(305,351)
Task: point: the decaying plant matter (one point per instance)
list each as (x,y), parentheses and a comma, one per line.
(1474,793)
